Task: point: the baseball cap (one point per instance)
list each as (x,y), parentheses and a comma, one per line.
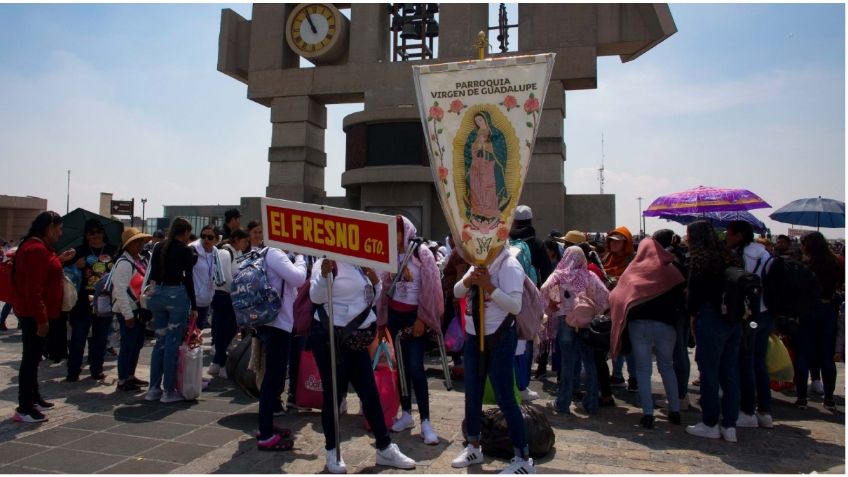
(523,212)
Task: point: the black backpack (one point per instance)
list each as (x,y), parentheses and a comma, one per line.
(790,288)
(742,294)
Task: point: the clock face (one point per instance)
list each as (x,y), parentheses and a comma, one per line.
(314,27)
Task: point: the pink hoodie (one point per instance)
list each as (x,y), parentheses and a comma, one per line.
(431,303)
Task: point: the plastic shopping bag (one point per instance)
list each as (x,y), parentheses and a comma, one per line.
(778,361)
(455,335)
(310,393)
(386,378)
(489,393)
(189,372)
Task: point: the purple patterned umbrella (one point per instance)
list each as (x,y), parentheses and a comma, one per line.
(705,199)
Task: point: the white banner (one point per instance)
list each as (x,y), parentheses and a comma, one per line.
(480,122)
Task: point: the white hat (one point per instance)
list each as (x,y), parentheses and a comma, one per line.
(523,212)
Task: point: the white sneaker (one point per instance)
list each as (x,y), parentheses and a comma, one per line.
(430,437)
(405,422)
(529,395)
(222,373)
(171,396)
(153,394)
(392,457)
(728,433)
(469,456)
(214,369)
(817,387)
(702,430)
(520,466)
(746,420)
(332,467)
(765,421)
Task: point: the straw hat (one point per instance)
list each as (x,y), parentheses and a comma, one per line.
(572,236)
(132,234)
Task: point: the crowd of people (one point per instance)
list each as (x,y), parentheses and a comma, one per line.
(658,296)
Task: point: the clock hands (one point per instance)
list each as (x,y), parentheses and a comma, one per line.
(311,25)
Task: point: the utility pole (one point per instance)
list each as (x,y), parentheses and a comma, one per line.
(641,222)
(68,203)
(601,169)
(143,220)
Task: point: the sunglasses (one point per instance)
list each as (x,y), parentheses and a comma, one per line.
(208,237)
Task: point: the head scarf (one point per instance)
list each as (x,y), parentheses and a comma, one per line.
(570,274)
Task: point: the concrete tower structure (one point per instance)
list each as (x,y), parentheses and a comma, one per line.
(386,165)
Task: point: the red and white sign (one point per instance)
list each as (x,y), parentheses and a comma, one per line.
(360,238)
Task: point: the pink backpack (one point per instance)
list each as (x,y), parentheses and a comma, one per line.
(583,312)
(529,319)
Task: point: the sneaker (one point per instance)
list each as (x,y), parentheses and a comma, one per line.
(529,395)
(392,457)
(171,396)
(674,417)
(110,351)
(519,466)
(746,420)
(140,382)
(223,374)
(552,406)
(405,422)
(98,376)
(829,404)
(728,433)
(817,387)
(765,421)
(616,381)
(214,369)
(153,394)
(430,437)
(469,456)
(32,416)
(801,403)
(632,385)
(702,430)
(128,386)
(332,466)
(43,405)
(647,421)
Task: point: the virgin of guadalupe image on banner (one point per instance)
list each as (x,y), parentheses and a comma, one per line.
(480,119)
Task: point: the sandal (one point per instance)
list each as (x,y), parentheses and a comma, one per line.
(282,431)
(275,443)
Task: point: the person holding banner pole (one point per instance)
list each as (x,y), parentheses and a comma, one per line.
(354,325)
(499,286)
(408,307)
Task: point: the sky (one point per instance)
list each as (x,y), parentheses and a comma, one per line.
(128,98)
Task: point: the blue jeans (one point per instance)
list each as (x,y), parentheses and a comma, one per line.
(618,366)
(354,367)
(170,307)
(646,335)
(682,366)
(276,343)
(132,340)
(571,346)
(7,308)
(499,368)
(413,363)
(81,321)
(816,344)
(717,355)
(224,326)
(753,372)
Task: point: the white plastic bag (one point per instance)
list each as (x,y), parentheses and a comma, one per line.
(190,372)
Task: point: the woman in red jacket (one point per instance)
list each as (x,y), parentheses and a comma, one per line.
(37,283)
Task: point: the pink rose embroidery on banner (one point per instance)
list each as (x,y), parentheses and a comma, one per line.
(531,105)
(456,106)
(436,112)
(510,102)
(443,173)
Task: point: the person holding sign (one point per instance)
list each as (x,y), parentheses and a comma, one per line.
(501,282)
(411,305)
(353,292)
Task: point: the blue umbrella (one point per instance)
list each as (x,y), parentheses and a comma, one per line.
(718,219)
(816,213)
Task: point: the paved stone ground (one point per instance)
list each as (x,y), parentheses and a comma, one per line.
(96,429)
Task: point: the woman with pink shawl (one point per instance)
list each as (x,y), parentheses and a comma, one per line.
(647,301)
(570,279)
(417,304)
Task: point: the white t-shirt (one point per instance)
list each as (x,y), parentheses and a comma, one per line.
(285,276)
(350,296)
(204,288)
(508,278)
